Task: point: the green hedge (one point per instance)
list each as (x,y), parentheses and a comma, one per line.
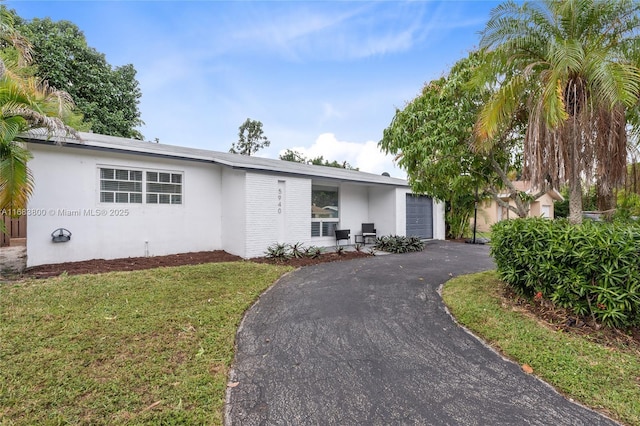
(591,269)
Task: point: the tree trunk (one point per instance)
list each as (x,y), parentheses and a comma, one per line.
(575,202)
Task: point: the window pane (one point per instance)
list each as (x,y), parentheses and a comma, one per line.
(324,202)
(328,229)
(152,177)
(164,198)
(136,175)
(315,229)
(176,178)
(152,198)
(164,177)
(122,174)
(122,197)
(106,173)
(135,198)
(176,199)
(106,197)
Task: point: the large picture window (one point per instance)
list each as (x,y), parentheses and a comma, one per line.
(134,186)
(324,211)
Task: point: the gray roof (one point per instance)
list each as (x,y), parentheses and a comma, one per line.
(236,161)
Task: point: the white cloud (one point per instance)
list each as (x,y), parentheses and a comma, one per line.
(364,155)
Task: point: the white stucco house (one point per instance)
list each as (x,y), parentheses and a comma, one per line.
(124,198)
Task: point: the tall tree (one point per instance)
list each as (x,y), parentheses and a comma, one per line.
(251,138)
(26,103)
(108,97)
(431,138)
(573,65)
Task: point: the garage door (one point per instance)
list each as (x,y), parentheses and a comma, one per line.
(419,216)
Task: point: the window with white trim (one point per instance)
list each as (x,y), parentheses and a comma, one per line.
(134,186)
(120,186)
(164,188)
(324,211)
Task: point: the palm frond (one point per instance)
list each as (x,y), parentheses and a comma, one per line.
(16,181)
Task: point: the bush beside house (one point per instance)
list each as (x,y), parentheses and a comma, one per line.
(590,269)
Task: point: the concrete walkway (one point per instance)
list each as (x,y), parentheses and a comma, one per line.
(369,342)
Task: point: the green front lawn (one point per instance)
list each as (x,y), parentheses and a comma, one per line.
(605,377)
(150,346)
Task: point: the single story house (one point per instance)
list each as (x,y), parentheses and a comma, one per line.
(123,198)
(490,212)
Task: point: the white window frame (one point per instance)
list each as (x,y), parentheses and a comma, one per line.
(324,227)
(120,184)
(146,193)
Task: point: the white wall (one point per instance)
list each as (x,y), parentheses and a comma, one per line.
(354,208)
(382,210)
(67,195)
(233,207)
(439,228)
(272,220)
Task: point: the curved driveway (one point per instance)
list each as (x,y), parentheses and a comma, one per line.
(369,342)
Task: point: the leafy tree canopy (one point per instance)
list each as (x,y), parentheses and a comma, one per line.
(251,138)
(108,97)
(297,157)
(573,65)
(432,140)
(26,103)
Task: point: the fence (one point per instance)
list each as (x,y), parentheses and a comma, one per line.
(16,229)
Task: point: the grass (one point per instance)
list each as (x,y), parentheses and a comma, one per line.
(602,377)
(144,347)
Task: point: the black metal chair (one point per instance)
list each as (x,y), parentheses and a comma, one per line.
(343,234)
(368,231)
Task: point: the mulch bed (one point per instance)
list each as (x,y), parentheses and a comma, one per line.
(97,266)
(559,319)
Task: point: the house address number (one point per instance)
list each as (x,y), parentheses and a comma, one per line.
(279,200)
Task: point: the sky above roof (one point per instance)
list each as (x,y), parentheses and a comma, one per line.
(324,77)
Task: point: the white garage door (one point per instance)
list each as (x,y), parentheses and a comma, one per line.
(419,216)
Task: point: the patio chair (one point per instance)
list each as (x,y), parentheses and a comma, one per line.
(343,234)
(368,231)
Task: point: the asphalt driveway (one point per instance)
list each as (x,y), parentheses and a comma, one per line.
(369,342)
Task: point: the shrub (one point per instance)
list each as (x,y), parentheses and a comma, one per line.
(591,269)
(279,252)
(313,252)
(398,244)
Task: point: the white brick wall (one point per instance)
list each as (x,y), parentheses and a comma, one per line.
(233,202)
(265,225)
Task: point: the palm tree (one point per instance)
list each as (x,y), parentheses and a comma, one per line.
(573,66)
(25,104)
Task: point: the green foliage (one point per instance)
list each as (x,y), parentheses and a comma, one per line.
(297,157)
(293,156)
(283,252)
(313,252)
(279,252)
(398,244)
(104,349)
(108,97)
(251,138)
(588,368)
(432,140)
(572,66)
(628,207)
(591,269)
(320,161)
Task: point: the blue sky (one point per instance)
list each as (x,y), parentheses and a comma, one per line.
(323,77)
